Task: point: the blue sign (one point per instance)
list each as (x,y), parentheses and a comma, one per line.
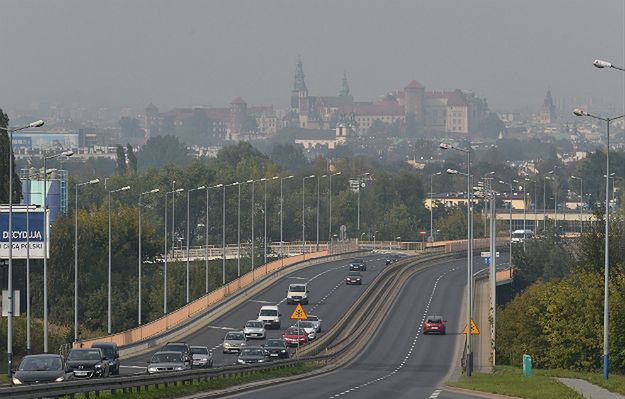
(487,260)
(26,242)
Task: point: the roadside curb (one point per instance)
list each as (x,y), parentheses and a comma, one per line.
(477,394)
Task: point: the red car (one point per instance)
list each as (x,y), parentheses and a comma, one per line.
(434,325)
(293,336)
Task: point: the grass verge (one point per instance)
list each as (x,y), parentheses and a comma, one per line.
(507,380)
(217,383)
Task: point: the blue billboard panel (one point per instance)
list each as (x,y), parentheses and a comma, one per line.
(27,242)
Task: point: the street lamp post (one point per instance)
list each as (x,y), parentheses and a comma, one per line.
(265,213)
(206,238)
(579,112)
(156,190)
(606,64)
(282,179)
(318,178)
(533,181)
(189,191)
(469,353)
(330,205)
(172,192)
(432,205)
(304,213)
(359,186)
(264,179)
(125,188)
(509,218)
(94,181)
(581,202)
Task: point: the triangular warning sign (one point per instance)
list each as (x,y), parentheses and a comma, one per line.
(299,314)
(474,329)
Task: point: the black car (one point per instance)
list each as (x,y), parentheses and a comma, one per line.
(251,354)
(276,348)
(112,354)
(87,363)
(353,278)
(392,259)
(181,347)
(40,369)
(358,265)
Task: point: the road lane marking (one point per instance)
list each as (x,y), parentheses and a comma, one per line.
(435,394)
(132,367)
(222,328)
(262,302)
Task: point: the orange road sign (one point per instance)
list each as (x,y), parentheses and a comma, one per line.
(299,314)
(474,329)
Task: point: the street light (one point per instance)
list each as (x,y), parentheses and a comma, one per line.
(125,188)
(581,205)
(469,353)
(432,205)
(304,214)
(282,179)
(239,229)
(156,190)
(94,181)
(265,213)
(330,205)
(206,237)
(264,179)
(605,64)
(172,192)
(359,184)
(224,230)
(510,217)
(188,230)
(318,178)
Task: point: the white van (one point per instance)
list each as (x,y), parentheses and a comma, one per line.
(270,316)
(297,293)
(522,235)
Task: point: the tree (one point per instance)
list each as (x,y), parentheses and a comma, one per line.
(232,155)
(290,156)
(491,126)
(130,128)
(121,160)
(132,159)
(4,165)
(162,150)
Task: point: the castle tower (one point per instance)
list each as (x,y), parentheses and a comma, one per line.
(548,111)
(344,87)
(299,94)
(414,97)
(152,120)
(238,119)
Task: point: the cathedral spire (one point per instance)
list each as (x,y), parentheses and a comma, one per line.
(344,87)
(298,82)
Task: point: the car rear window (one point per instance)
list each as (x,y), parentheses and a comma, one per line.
(199,351)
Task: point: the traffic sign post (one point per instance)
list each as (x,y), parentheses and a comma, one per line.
(298,314)
(474,329)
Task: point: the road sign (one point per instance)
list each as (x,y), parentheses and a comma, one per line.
(23,238)
(299,314)
(487,254)
(474,329)
(487,260)
(423,232)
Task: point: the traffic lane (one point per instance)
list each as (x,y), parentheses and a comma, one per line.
(394,362)
(321,277)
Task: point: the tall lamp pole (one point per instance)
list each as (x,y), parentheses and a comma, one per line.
(125,188)
(330,205)
(581,202)
(579,112)
(172,192)
(265,213)
(304,213)
(469,353)
(206,238)
(94,181)
(282,179)
(140,257)
(189,191)
(432,205)
(318,178)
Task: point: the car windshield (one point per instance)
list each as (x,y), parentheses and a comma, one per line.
(252,352)
(435,320)
(312,318)
(201,350)
(297,288)
(254,324)
(235,337)
(273,343)
(167,358)
(84,355)
(175,347)
(306,324)
(108,352)
(51,363)
(357,261)
(294,331)
(268,312)
(354,274)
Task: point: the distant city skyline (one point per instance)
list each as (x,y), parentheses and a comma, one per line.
(180,54)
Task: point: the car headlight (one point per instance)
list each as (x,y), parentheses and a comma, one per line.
(16,381)
(283,351)
(98,366)
(151,369)
(243,344)
(261,360)
(204,359)
(226,345)
(240,361)
(60,379)
(179,368)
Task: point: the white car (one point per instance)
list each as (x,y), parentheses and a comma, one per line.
(270,316)
(309,327)
(254,329)
(316,321)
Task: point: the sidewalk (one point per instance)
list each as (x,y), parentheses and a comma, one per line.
(588,390)
(481,344)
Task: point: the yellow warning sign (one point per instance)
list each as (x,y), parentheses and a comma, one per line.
(474,329)
(299,314)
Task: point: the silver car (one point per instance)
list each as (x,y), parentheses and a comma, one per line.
(254,329)
(167,362)
(234,341)
(309,327)
(202,357)
(316,321)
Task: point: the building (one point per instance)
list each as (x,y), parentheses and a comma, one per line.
(547,114)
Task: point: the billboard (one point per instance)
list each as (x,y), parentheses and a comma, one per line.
(23,238)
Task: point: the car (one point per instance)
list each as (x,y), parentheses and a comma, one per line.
(270,316)
(251,354)
(40,369)
(316,321)
(297,293)
(167,362)
(293,336)
(358,264)
(202,357)
(434,325)
(254,329)
(309,327)
(392,258)
(234,341)
(353,278)
(276,348)
(87,363)
(112,354)
(181,347)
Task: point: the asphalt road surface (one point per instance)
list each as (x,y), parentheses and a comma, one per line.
(329,298)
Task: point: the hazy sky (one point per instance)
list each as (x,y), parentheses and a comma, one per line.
(182,53)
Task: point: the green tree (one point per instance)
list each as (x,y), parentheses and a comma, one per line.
(132,159)
(121,160)
(162,150)
(4,165)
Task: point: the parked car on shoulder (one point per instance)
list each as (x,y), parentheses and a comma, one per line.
(112,354)
(353,278)
(358,264)
(167,362)
(202,356)
(87,363)
(40,369)
(254,329)
(251,354)
(434,325)
(276,348)
(234,341)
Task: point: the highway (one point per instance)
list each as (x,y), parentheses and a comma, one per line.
(399,362)
(329,299)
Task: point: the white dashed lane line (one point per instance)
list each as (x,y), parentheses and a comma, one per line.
(435,394)
(408,354)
